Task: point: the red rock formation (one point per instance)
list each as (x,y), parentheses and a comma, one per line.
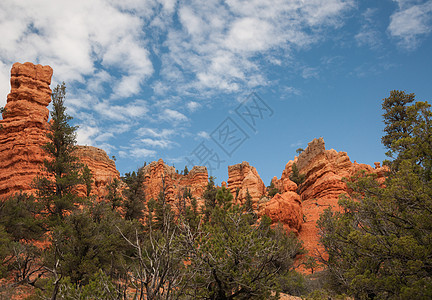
(23,128)
(175,184)
(324,171)
(103,169)
(285,208)
(23,132)
(243,178)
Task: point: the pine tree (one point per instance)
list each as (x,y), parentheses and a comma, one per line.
(134,196)
(63,168)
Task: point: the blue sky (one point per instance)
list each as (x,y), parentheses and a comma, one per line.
(184,80)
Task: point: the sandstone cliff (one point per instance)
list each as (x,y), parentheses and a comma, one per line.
(158,173)
(23,131)
(103,169)
(23,128)
(324,171)
(243,178)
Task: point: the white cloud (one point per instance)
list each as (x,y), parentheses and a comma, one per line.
(102,50)
(296,144)
(308,73)
(156,143)
(289,90)
(204,135)
(193,106)
(411,22)
(4,82)
(164,133)
(77,38)
(141,153)
(173,116)
(85,134)
(368,34)
(135,109)
(217,51)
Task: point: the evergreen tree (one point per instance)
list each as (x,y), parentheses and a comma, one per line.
(234,258)
(272,190)
(114,196)
(134,196)
(248,205)
(63,169)
(209,196)
(87,177)
(380,244)
(20,226)
(295,175)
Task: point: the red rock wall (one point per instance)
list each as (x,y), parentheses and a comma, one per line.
(175,184)
(23,128)
(243,178)
(324,171)
(103,169)
(23,132)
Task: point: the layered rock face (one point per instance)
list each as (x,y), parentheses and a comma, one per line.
(285,208)
(243,178)
(103,169)
(23,128)
(324,171)
(157,174)
(23,132)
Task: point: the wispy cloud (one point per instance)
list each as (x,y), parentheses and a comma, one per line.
(369,34)
(203,135)
(172,115)
(154,143)
(139,153)
(193,106)
(411,22)
(111,53)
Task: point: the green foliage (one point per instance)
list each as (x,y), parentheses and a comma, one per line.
(56,190)
(5,251)
(408,131)
(20,216)
(185,171)
(87,178)
(272,190)
(20,225)
(234,259)
(248,204)
(134,195)
(299,150)
(92,243)
(295,175)
(209,196)
(114,196)
(380,245)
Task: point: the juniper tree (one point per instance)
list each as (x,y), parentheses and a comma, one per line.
(233,256)
(380,244)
